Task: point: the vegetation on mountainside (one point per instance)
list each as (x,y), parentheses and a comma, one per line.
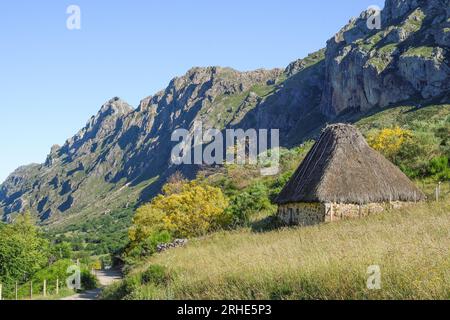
(383,57)
(424,52)
(105,234)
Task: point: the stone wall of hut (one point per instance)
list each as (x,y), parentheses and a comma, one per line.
(307,214)
(304,214)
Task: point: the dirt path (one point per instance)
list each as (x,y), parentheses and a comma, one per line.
(105,278)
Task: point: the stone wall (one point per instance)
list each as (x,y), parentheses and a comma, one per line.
(307,214)
(304,214)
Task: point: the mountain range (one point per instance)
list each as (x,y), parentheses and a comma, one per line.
(122,156)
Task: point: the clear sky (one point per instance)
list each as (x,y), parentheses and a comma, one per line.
(53,79)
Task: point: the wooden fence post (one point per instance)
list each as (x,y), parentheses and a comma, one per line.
(1,287)
(45,288)
(17,292)
(57,286)
(439,190)
(31,290)
(390,201)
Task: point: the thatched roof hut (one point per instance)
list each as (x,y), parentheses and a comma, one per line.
(342,168)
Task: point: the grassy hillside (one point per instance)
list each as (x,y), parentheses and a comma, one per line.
(411,246)
(426,118)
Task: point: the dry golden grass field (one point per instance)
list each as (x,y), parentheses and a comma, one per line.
(411,246)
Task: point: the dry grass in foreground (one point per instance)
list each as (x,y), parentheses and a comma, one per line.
(411,246)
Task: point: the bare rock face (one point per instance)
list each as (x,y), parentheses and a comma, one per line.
(408,57)
(427,72)
(396,9)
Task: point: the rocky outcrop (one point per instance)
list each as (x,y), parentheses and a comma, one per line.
(13,192)
(406,59)
(396,9)
(426,70)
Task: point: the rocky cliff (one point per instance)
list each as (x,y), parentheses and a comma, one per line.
(408,59)
(122,154)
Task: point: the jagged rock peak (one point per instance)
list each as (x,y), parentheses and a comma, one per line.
(112,109)
(209,83)
(100,125)
(199,75)
(301,64)
(115,106)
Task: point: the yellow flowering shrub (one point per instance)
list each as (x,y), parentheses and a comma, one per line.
(389,141)
(146,221)
(193,210)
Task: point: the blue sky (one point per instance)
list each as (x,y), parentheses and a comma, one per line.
(53,79)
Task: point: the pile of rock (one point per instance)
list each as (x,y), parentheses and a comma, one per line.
(175,244)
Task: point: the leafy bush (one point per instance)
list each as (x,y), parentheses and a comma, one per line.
(120,290)
(249,202)
(61,250)
(415,154)
(52,273)
(439,168)
(155,274)
(88,280)
(279,184)
(147,247)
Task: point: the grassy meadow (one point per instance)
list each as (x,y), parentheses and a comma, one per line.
(330,261)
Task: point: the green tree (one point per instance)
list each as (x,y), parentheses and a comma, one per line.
(23,250)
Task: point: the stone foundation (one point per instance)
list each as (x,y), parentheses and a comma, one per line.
(307,214)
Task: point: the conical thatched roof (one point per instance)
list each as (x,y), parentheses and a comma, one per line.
(342,168)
